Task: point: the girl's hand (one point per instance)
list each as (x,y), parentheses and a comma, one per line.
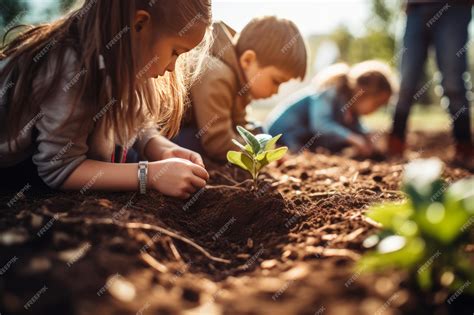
(363,146)
(160,148)
(182,153)
(177,177)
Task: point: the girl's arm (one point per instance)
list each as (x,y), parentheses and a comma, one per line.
(98,175)
(173,177)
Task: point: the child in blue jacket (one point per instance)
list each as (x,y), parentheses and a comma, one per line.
(329,117)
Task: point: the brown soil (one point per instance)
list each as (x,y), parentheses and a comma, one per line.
(288,248)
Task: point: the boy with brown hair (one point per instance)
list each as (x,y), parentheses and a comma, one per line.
(240,68)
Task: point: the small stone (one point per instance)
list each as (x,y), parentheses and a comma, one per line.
(243,256)
(328,237)
(269,264)
(36,221)
(289,254)
(106,203)
(121,289)
(39,264)
(14,237)
(296,273)
(311,240)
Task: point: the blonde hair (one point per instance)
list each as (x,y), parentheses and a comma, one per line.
(88,30)
(372,77)
(276,42)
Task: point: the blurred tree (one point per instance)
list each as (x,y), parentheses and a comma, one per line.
(65,5)
(12,11)
(343,39)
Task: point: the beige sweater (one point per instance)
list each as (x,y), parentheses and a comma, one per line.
(220,96)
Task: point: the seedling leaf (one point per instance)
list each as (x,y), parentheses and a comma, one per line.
(240,159)
(250,139)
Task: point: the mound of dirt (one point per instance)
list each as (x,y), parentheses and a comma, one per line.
(236,213)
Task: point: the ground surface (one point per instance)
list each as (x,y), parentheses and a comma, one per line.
(289,249)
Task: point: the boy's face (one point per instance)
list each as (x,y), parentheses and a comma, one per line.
(262,82)
(370,103)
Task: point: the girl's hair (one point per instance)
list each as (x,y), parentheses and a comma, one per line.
(369,77)
(103,27)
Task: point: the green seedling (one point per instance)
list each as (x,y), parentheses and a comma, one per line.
(427,233)
(257,152)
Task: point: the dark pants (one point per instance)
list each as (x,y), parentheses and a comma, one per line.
(18,176)
(449,35)
(188,138)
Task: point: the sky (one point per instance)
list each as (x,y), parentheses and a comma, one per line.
(312,16)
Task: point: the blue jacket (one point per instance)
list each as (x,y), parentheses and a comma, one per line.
(314,120)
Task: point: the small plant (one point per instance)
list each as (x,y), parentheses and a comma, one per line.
(258,151)
(426,234)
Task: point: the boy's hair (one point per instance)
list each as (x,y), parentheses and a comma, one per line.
(89,30)
(276,42)
(372,77)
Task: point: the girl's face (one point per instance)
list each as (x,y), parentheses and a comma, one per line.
(157,54)
(367,104)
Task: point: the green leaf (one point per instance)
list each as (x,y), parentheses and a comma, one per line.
(442,223)
(272,143)
(462,191)
(275,155)
(250,139)
(263,140)
(266,158)
(387,214)
(240,159)
(237,143)
(406,257)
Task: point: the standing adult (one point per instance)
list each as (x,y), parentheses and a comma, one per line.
(444,25)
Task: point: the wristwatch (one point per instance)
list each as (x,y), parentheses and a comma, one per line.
(142,176)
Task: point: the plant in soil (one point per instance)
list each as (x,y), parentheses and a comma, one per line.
(426,234)
(257,152)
